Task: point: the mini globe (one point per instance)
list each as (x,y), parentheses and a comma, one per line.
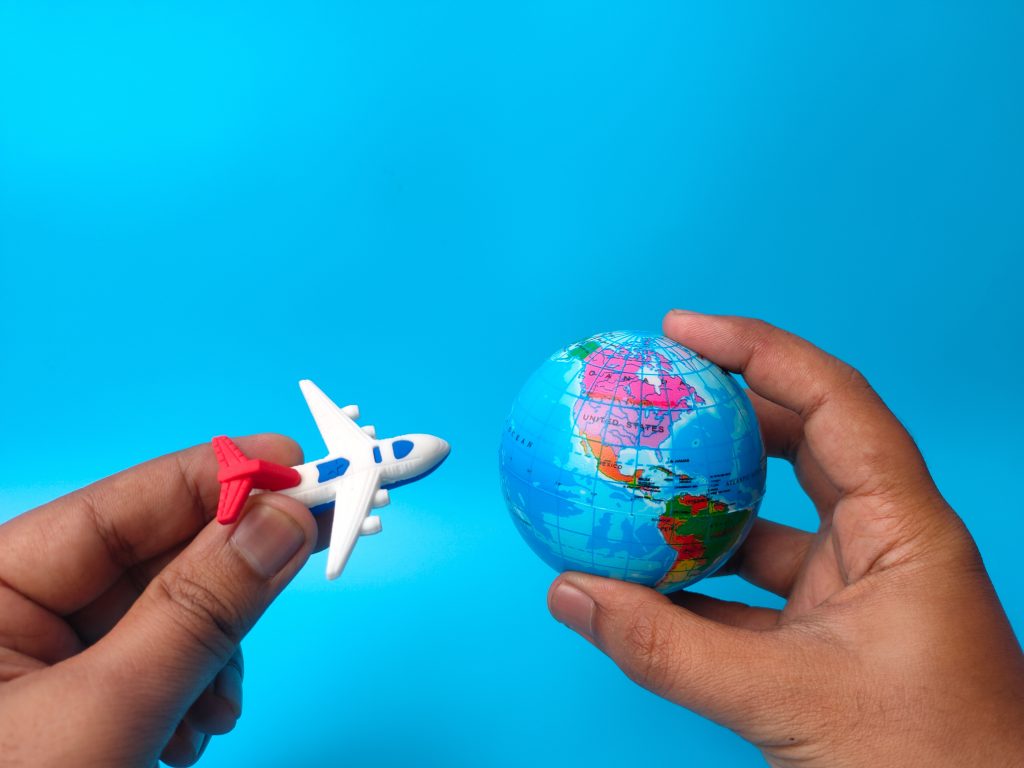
(631,456)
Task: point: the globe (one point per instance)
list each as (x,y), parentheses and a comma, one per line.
(631,456)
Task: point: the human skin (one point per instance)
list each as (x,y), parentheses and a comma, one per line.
(122,607)
(892,648)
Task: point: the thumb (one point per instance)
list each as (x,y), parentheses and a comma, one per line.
(190,619)
(719,671)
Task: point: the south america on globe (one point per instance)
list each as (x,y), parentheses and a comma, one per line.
(631,456)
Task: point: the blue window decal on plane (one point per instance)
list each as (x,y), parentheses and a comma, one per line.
(402,448)
(319,509)
(331,469)
(376,454)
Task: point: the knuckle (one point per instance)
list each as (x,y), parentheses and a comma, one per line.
(841,380)
(759,335)
(763,341)
(211,620)
(851,377)
(759,327)
(119,548)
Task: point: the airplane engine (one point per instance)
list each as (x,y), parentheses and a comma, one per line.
(370,430)
(370,526)
(352,411)
(381,499)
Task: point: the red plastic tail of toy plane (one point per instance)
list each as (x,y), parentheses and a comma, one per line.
(239,474)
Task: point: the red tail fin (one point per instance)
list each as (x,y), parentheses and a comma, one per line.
(239,474)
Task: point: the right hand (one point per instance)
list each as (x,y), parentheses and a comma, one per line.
(892,648)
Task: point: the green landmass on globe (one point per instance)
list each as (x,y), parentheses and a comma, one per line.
(629,455)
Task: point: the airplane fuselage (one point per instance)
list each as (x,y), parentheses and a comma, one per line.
(395,460)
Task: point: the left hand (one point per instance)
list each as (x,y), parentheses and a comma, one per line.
(122,606)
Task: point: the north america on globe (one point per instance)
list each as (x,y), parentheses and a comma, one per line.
(628,455)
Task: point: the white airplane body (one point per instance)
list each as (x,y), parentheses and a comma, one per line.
(353,478)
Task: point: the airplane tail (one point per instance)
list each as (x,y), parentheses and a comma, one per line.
(239,474)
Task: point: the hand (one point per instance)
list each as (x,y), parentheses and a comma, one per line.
(122,606)
(892,648)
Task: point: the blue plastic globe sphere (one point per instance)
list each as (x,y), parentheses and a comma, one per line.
(629,455)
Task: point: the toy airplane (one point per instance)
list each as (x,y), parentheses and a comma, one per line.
(353,478)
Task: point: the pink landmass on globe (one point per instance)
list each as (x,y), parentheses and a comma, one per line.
(628,402)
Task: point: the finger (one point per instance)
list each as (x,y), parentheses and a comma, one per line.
(218,708)
(188,623)
(185,747)
(783,433)
(727,612)
(770,557)
(861,447)
(14,665)
(324,523)
(101,615)
(781,429)
(713,669)
(32,630)
(66,553)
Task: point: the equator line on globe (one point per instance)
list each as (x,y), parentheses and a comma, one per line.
(631,456)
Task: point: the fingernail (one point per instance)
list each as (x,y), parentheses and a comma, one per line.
(682,312)
(574,608)
(267,538)
(228,685)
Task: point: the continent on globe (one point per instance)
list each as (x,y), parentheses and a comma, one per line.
(630,456)
(629,402)
(685,529)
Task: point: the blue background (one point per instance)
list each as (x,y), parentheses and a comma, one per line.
(413,204)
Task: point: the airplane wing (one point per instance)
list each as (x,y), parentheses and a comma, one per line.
(339,431)
(351,507)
